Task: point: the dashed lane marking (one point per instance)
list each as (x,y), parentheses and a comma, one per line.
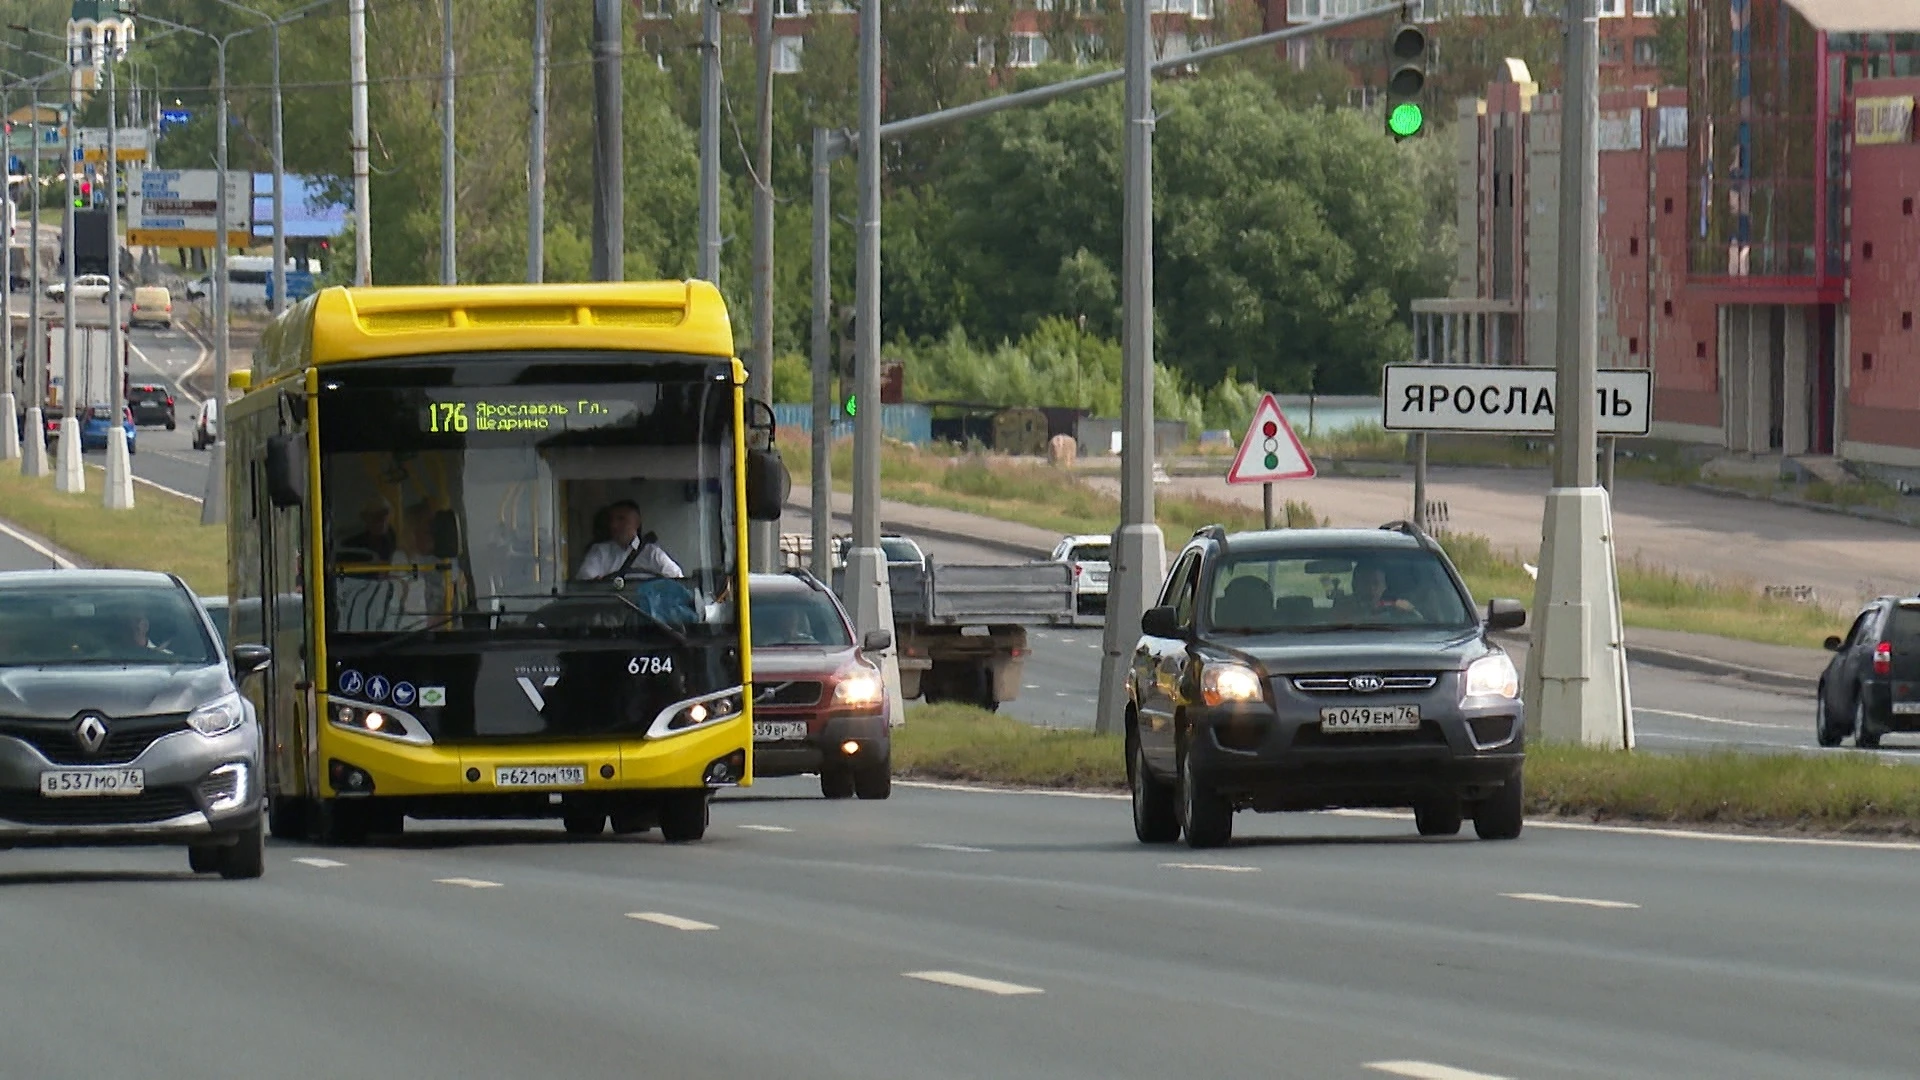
(1224,868)
(672,922)
(957,847)
(1549,898)
(1427,1070)
(323,864)
(767,828)
(973,982)
(467,882)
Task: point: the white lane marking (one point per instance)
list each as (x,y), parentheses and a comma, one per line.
(1222,867)
(1714,719)
(971,982)
(767,828)
(957,847)
(1427,1070)
(179,382)
(323,864)
(1549,898)
(467,882)
(157,486)
(672,922)
(58,560)
(1532,823)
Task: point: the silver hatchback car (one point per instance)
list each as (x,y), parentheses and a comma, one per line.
(121,722)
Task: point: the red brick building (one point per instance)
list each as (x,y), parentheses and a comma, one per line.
(1759,242)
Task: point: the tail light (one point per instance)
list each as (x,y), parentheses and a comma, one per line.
(1078,569)
(169,400)
(1883,658)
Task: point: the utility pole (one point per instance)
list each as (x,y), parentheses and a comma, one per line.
(33,459)
(1576,680)
(362,204)
(448,271)
(709,262)
(9,403)
(213,504)
(71,475)
(822,502)
(1139,546)
(763,541)
(867,584)
(609,185)
(537,152)
(119,493)
(279,197)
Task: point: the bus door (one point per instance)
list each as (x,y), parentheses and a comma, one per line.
(289,632)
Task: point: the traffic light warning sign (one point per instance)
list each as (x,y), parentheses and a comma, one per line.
(1270,451)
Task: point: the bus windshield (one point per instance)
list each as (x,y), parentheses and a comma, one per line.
(552,497)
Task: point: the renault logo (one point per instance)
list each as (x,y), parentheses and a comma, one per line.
(90,731)
(1366,684)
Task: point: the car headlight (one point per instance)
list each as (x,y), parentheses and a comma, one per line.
(217,717)
(1493,676)
(1223,682)
(858,688)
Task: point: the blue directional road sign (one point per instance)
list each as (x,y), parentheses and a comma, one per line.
(299,285)
(175,117)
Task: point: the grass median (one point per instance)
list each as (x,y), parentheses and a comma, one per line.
(161,532)
(1058,500)
(1825,793)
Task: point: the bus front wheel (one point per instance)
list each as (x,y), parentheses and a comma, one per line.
(683,816)
(337,822)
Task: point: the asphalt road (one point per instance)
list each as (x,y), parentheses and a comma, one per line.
(952,934)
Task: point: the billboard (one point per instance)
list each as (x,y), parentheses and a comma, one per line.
(130,144)
(180,208)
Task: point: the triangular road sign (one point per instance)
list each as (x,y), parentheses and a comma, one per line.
(1270,451)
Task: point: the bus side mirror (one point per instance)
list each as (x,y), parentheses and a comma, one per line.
(446,535)
(768,484)
(286,470)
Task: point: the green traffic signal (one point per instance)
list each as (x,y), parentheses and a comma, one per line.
(851,399)
(1406,119)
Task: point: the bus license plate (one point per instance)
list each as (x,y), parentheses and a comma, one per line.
(766,731)
(66,783)
(540,776)
(1370,718)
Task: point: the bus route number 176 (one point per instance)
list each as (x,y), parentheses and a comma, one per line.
(650,665)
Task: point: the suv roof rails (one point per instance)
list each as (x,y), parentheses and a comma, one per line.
(1213,532)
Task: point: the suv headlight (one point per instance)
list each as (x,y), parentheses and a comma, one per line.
(857,688)
(218,717)
(1224,682)
(1493,676)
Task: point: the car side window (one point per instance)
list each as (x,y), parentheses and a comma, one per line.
(1860,626)
(1184,590)
(1170,590)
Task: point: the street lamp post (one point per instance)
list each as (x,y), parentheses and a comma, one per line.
(119,487)
(33,459)
(213,505)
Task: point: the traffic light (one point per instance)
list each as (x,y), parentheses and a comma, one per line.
(1406,81)
(83,195)
(850,406)
(848,343)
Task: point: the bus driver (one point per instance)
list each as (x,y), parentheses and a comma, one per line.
(627,550)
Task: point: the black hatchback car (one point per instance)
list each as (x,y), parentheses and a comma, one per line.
(1316,669)
(150,405)
(1872,684)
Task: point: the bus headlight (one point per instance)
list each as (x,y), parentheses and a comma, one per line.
(387,723)
(684,716)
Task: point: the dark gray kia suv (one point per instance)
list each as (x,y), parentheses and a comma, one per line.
(1315,669)
(122,723)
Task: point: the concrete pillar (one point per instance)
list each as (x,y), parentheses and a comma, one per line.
(1796,437)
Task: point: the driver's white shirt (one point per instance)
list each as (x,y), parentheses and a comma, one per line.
(605,557)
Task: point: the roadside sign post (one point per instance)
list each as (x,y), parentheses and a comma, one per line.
(1270,452)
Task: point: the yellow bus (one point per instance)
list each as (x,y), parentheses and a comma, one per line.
(504,530)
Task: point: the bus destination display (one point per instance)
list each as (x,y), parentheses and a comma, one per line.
(510,414)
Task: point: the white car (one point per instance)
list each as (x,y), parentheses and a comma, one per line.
(206,425)
(899,550)
(85,287)
(1090,557)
